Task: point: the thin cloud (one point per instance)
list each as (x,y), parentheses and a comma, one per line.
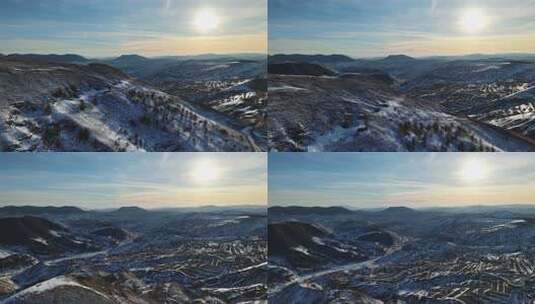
(416,180)
(414,27)
(111,28)
(149,180)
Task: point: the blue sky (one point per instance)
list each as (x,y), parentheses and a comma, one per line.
(150,180)
(369,180)
(363,28)
(148,27)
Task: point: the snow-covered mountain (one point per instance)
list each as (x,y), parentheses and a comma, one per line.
(400,103)
(132,255)
(411,256)
(94,107)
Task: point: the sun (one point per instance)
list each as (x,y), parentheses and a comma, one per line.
(205,171)
(206,20)
(474,170)
(473,20)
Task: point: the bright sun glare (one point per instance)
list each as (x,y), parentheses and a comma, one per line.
(474,170)
(473,21)
(205,171)
(206,20)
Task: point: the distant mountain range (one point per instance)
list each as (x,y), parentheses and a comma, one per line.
(331,58)
(400,211)
(65,210)
(519,208)
(126,210)
(298,210)
(129,59)
(124,59)
(272,211)
(67,58)
(283,58)
(397,211)
(34,210)
(130,211)
(272,58)
(398,58)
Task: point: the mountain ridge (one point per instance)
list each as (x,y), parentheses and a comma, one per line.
(285,58)
(41,210)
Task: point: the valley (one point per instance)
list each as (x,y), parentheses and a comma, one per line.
(400,103)
(132,103)
(447,255)
(133,255)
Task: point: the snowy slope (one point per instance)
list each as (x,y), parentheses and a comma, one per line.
(361,113)
(37,293)
(513,112)
(61,107)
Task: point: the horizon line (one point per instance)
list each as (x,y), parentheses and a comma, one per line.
(405,206)
(252,205)
(134,54)
(402,54)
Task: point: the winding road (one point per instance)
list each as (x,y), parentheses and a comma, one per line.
(348,267)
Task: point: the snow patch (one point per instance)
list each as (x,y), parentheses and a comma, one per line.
(48,285)
(41,240)
(55,233)
(301,249)
(4,253)
(317,240)
(224,290)
(286,88)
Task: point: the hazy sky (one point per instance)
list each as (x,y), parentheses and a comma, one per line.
(364,28)
(149,180)
(147,27)
(368,180)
